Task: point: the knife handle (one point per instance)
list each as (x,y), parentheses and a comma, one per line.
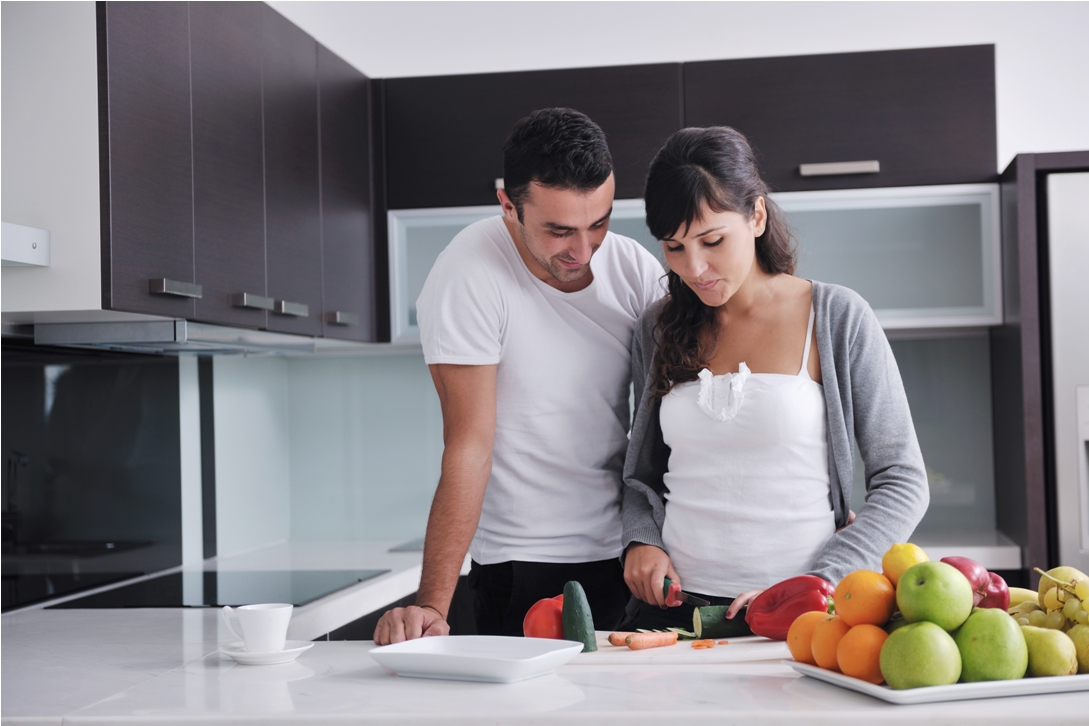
(671,590)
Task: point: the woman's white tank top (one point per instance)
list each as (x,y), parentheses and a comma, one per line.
(748,502)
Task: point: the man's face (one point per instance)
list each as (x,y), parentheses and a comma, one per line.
(560,230)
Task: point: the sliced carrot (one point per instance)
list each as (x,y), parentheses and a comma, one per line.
(705,643)
(619,638)
(640,641)
(723,642)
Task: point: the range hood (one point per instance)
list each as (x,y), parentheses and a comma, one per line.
(182,336)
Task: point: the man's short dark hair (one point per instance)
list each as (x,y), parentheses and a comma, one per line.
(555,147)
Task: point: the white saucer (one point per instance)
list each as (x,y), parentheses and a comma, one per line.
(292,650)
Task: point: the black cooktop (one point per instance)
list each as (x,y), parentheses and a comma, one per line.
(215,589)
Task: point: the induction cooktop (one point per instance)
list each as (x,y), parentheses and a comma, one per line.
(218,588)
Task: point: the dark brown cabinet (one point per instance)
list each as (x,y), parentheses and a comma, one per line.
(293,246)
(927,115)
(346,202)
(228,174)
(445,134)
(146,155)
(236,187)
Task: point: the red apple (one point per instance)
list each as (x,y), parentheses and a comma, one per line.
(998,594)
(976,573)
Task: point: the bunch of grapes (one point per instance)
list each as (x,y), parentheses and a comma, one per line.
(1062,605)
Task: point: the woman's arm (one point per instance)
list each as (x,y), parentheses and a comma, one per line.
(865,393)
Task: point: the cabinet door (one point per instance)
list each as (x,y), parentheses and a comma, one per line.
(927,116)
(292,195)
(228,174)
(346,200)
(147,180)
(445,134)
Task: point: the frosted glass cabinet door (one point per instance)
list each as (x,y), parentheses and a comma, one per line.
(923,257)
(417,236)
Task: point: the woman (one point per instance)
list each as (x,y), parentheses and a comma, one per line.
(752,388)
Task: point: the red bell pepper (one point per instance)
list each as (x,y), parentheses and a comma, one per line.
(772,612)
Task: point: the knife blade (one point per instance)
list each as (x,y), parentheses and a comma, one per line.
(675,596)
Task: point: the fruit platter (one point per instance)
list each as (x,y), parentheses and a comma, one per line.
(924,632)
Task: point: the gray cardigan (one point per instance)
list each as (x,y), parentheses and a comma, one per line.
(866,403)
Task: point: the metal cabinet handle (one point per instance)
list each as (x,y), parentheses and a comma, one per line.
(835,168)
(163,286)
(342,318)
(299,310)
(249,300)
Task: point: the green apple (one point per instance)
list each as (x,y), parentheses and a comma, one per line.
(920,654)
(935,592)
(991,647)
(1051,652)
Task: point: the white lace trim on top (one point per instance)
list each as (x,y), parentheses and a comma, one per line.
(736,393)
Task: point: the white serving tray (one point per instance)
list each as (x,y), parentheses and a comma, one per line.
(485,658)
(955,692)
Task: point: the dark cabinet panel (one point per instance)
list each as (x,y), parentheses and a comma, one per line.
(228,174)
(147,179)
(292,194)
(445,134)
(346,200)
(927,115)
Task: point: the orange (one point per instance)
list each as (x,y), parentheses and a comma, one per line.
(859,653)
(826,636)
(800,636)
(865,596)
(899,558)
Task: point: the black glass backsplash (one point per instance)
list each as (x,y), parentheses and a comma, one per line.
(92,469)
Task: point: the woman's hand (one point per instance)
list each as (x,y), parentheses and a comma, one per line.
(645,570)
(741,601)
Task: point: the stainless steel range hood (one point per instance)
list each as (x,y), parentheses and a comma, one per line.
(178,336)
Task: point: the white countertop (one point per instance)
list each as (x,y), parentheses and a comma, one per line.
(161,666)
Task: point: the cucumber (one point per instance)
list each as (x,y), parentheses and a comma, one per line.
(711,622)
(578,621)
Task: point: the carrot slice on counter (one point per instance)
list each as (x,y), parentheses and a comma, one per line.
(723,642)
(619,638)
(640,641)
(703,644)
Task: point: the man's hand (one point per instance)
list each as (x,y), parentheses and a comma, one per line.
(402,624)
(645,570)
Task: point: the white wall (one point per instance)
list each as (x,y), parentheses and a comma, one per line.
(366,447)
(50,152)
(1042,57)
(253,489)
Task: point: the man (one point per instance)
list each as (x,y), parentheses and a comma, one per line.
(529,349)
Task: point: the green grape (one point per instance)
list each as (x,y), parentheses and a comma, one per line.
(1051,599)
(1054,620)
(1024,620)
(1071,607)
(1082,590)
(1036,618)
(1081,617)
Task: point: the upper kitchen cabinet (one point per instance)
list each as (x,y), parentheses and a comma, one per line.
(146,166)
(228,163)
(292,176)
(844,120)
(445,134)
(346,204)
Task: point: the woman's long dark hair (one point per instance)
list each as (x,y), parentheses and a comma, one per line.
(697,168)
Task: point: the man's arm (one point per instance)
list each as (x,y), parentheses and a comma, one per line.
(467,395)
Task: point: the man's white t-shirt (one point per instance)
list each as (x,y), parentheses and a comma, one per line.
(563,375)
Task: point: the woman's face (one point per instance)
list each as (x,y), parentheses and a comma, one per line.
(717,253)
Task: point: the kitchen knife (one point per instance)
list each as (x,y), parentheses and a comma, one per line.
(675,596)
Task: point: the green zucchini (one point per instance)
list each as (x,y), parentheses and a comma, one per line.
(711,622)
(578,621)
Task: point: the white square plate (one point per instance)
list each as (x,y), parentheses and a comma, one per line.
(486,658)
(955,692)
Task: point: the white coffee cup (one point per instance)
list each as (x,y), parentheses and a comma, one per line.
(263,627)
